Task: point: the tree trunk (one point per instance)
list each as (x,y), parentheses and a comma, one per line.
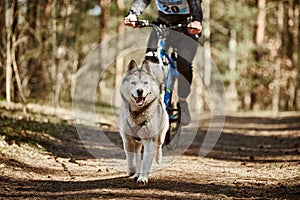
(261,22)
(232,94)
(104,18)
(9,17)
(120,47)
(63,61)
(276,60)
(54,51)
(296,54)
(276,94)
(294,28)
(16,70)
(206,34)
(2,40)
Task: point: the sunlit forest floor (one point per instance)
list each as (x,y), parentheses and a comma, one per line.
(256,157)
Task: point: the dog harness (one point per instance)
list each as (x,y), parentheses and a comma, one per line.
(135,130)
(135,114)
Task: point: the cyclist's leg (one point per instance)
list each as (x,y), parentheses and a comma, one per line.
(186,50)
(152,48)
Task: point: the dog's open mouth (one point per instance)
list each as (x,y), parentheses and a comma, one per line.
(139,100)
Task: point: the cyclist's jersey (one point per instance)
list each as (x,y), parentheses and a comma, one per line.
(173,6)
(171,11)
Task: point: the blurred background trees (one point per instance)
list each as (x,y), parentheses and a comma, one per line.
(254,43)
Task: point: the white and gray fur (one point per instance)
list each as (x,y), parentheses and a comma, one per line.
(143,119)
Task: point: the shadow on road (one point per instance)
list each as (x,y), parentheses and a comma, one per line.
(242,140)
(112,188)
(254,139)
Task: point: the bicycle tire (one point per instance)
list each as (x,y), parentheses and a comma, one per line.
(173,134)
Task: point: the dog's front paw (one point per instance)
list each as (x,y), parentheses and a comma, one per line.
(131,171)
(142,180)
(135,177)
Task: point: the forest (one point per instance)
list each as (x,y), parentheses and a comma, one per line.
(61,60)
(254,44)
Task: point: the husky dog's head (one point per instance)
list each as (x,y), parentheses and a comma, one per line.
(139,86)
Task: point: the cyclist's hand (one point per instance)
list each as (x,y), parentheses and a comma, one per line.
(194,27)
(130,20)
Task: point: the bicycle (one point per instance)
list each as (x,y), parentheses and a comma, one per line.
(168,60)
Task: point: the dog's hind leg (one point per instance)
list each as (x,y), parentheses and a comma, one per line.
(158,153)
(148,156)
(160,141)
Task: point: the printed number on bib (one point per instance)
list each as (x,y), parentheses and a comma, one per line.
(171,9)
(173,6)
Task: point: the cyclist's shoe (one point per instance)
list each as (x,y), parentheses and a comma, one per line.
(185,118)
(152,59)
(152,56)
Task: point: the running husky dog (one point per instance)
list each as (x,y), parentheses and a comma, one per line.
(143,118)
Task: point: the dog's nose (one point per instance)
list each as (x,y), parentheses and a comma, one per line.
(140,92)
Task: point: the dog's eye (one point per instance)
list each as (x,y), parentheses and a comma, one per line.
(146,82)
(133,82)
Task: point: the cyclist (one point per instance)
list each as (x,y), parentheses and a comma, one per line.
(172,12)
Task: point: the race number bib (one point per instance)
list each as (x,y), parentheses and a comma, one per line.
(173,6)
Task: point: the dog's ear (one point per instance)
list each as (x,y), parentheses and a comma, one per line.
(131,65)
(147,67)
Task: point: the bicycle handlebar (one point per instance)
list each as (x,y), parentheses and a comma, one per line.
(146,23)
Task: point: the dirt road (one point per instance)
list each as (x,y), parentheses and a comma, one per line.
(254,158)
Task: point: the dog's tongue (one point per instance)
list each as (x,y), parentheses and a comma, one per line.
(139,101)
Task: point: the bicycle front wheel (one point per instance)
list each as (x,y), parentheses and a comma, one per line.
(173,133)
